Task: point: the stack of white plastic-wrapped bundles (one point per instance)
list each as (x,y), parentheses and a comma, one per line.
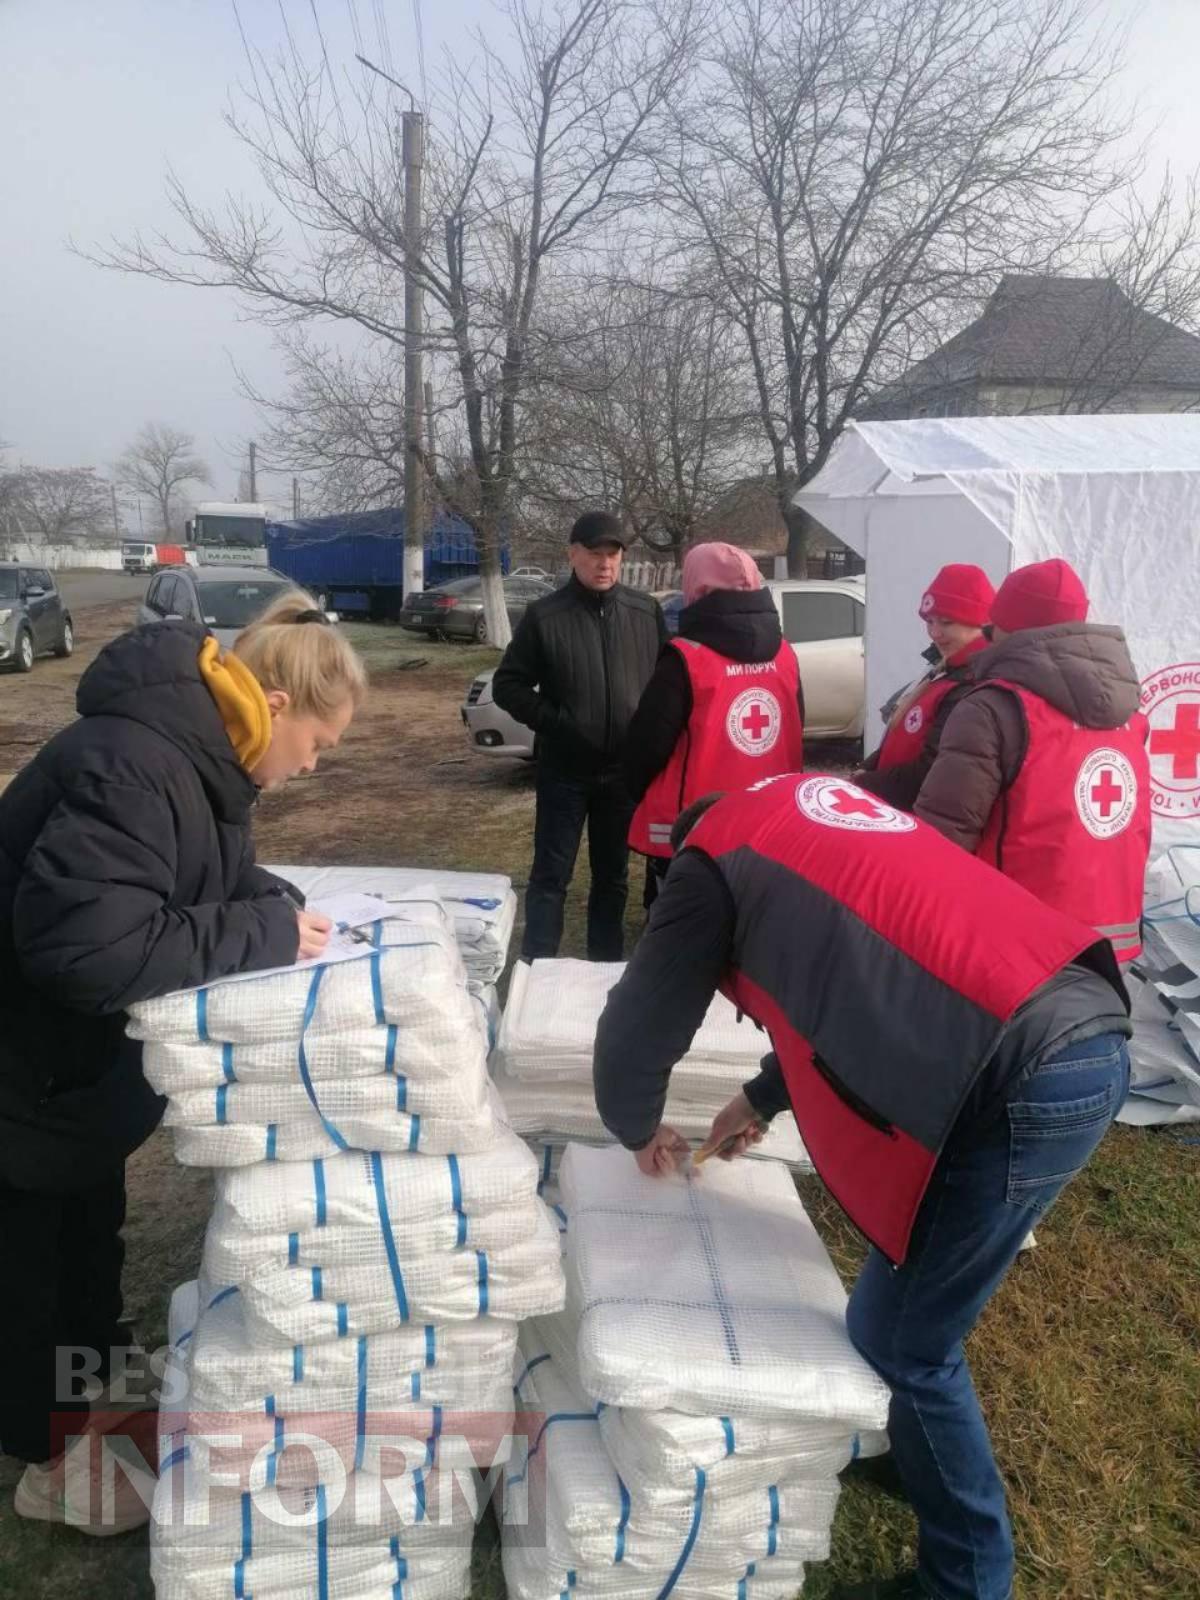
(1165,983)
(694,1403)
(482,906)
(345,1360)
(542,1064)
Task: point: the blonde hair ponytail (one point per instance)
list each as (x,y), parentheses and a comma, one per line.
(292,647)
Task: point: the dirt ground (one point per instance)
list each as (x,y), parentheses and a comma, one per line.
(1087,1361)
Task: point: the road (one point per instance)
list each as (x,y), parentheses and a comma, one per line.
(83,589)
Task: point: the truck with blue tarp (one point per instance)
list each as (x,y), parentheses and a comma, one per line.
(354,563)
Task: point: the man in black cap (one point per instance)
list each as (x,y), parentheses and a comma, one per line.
(574,673)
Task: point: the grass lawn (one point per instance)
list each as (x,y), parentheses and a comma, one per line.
(1087,1361)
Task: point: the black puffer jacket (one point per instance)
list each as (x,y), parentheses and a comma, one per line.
(1081,668)
(575,671)
(126,871)
(740,624)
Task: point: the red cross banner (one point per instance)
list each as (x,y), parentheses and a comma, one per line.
(1171,704)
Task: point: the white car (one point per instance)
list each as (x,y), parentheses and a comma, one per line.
(823,621)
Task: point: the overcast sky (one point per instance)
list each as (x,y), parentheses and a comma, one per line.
(99,97)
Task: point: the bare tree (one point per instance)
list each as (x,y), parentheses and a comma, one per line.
(852,172)
(59,504)
(533,150)
(157,463)
(647,409)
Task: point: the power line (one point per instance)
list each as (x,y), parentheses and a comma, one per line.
(416,5)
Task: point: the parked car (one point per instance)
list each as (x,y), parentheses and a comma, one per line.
(671,604)
(822,621)
(454,610)
(33,619)
(532,572)
(225,599)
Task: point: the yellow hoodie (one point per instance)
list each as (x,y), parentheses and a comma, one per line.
(241,702)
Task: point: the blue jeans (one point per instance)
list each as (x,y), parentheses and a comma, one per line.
(988,1189)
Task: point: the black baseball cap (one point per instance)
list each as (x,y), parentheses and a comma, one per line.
(598,527)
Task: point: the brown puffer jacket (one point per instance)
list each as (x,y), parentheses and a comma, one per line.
(1082,669)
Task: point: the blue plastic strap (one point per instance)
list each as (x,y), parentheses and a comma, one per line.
(222,1113)
(239,1566)
(322,1544)
(562,1217)
(389,1243)
(310,1006)
(360,1425)
(389,1060)
(202,1016)
(414,1133)
(220,1299)
(530,1366)
(401,1092)
(343,1319)
(773,1529)
(486,904)
(431,1443)
(461,1237)
(297,1363)
(455,1183)
(430,1345)
(419,1487)
(689,1543)
(416,1385)
(269,1405)
(273,1459)
(626,1508)
(319,1190)
(855,1447)
(377,986)
(227,1063)
(481,1258)
(316,1283)
(272,1139)
(293,1249)
(547,1158)
(727,1429)
(557,1416)
(176,1456)
(401,1569)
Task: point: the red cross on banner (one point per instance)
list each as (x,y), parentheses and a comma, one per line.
(1181,742)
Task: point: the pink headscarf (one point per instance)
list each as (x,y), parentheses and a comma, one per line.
(717,566)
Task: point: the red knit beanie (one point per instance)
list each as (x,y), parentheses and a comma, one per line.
(960,594)
(1040,596)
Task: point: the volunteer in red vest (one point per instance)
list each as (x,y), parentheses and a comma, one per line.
(932,1025)
(1042,770)
(954,609)
(725,706)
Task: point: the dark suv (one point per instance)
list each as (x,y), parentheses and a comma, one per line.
(33,620)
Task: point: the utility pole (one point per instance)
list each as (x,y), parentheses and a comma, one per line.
(295,499)
(116,519)
(253,474)
(430,426)
(414,328)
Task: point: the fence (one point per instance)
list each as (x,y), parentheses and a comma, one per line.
(60,557)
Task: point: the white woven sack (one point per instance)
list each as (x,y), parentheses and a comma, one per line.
(417,965)
(529,1574)
(245,1144)
(296,1305)
(554,1008)
(357,1544)
(345,1189)
(562,1113)
(438,1364)
(481,905)
(592,1517)
(742,1310)
(232,1253)
(441,1045)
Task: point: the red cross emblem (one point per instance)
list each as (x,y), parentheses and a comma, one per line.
(1181,741)
(847,804)
(756,721)
(1108,793)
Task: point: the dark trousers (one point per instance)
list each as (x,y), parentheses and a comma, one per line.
(60,1263)
(563,806)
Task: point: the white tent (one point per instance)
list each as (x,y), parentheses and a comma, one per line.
(1117,496)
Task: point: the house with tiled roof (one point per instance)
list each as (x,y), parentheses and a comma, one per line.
(1052,345)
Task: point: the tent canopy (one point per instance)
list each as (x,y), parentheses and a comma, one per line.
(1116,496)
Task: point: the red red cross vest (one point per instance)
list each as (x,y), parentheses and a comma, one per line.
(1074,826)
(905,737)
(884,962)
(744,725)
